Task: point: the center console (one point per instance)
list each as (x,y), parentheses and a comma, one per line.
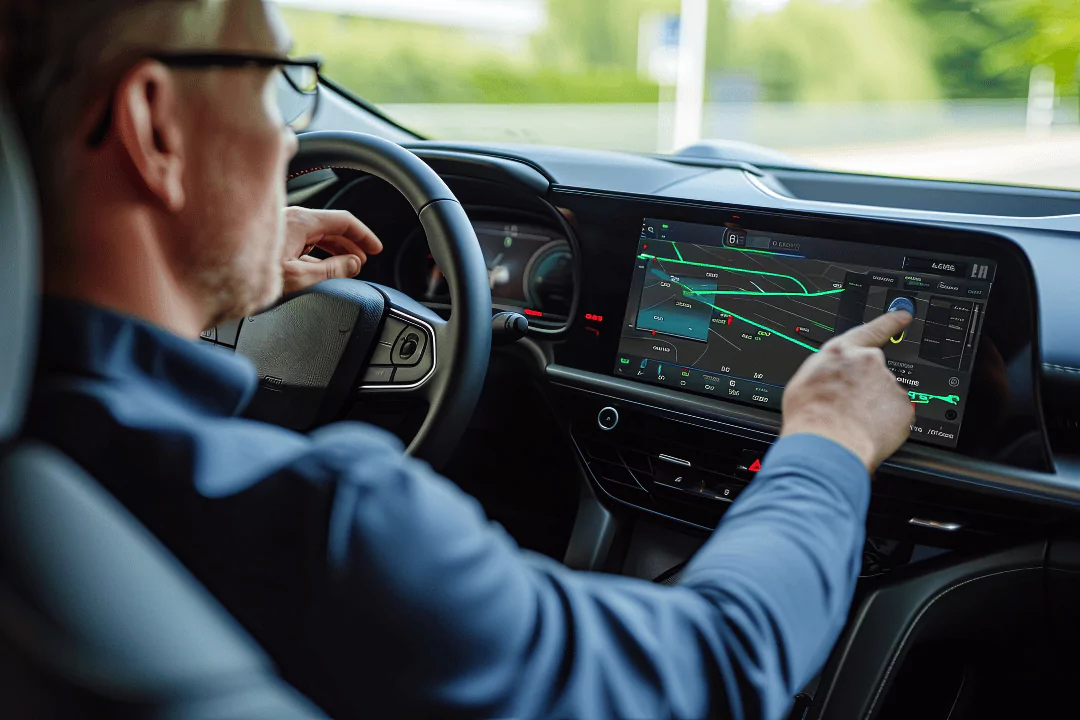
(693,318)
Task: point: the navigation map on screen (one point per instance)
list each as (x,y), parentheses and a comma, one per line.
(732,313)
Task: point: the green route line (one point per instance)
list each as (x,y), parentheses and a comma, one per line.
(811,348)
(688,292)
(676,247)
(763,293)
(821,326)
(724,267)
(923,398)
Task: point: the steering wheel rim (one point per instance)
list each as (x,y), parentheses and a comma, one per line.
(464,341)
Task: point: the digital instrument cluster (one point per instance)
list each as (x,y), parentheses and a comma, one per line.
(530,270)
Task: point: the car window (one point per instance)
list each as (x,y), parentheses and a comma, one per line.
(982,90)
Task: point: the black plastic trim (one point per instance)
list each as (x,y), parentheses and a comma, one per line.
(485,152)
(912,461)
(485,167)
(596,487)
(878,636)
(366,106)
(594,530)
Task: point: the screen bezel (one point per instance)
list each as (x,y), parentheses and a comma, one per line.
(608,228)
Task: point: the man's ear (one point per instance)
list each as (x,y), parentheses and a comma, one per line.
(148,125)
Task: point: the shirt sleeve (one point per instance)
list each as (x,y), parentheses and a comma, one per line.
(436,611)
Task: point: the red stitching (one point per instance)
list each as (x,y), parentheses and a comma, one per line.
(305,172)
(316,169)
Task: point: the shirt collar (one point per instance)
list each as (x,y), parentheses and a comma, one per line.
(85,340)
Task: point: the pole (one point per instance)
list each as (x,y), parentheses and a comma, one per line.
(1041,95)
(690,87)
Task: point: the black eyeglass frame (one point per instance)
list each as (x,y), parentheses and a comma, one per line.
(198,60)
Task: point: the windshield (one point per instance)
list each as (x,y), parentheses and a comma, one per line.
(982,90)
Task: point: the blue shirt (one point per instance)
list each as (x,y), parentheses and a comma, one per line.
(381,589)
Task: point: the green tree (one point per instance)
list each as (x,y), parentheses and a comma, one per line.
(1047,32)
(817,51)
(720,35)
(986,48)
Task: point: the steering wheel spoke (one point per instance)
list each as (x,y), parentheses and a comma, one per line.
(405,357)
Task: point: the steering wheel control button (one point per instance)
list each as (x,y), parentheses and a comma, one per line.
(392,329)
(608,418)
(410,374)
(210,335)
(409,348)
(228,331)
(382,354)
(376,375)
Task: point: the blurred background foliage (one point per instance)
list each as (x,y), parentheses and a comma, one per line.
(810,50)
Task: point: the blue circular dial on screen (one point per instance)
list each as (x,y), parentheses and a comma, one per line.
(902,303)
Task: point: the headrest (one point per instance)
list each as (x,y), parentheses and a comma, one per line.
(18,274)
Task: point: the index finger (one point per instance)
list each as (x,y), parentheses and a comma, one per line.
(342,225)
(878,331)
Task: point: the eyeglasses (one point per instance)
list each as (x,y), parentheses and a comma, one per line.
(297,84)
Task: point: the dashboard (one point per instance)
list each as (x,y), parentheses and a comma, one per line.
(670,303)
(678,295)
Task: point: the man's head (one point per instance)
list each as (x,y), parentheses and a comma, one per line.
(163,185)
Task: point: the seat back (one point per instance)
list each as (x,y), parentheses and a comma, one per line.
(97,618)
(18,277)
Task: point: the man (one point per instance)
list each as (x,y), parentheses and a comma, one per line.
(378,587)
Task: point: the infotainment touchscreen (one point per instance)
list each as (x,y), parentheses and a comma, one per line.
(732,313)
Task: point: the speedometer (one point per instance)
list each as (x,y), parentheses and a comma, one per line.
(530,269)
(549,279)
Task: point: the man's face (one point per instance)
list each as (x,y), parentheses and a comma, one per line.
(237,149)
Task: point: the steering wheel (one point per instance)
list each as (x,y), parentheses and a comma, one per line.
(347,339)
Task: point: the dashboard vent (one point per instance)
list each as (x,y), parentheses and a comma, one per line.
(1063,426)
(896,501)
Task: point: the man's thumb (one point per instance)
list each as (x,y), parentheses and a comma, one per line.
(342,266)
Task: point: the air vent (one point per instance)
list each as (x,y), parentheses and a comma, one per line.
(962,515)
(1063,426)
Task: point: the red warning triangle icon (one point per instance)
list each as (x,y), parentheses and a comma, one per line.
(755,467)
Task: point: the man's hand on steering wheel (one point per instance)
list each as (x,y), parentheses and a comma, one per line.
(337,232)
